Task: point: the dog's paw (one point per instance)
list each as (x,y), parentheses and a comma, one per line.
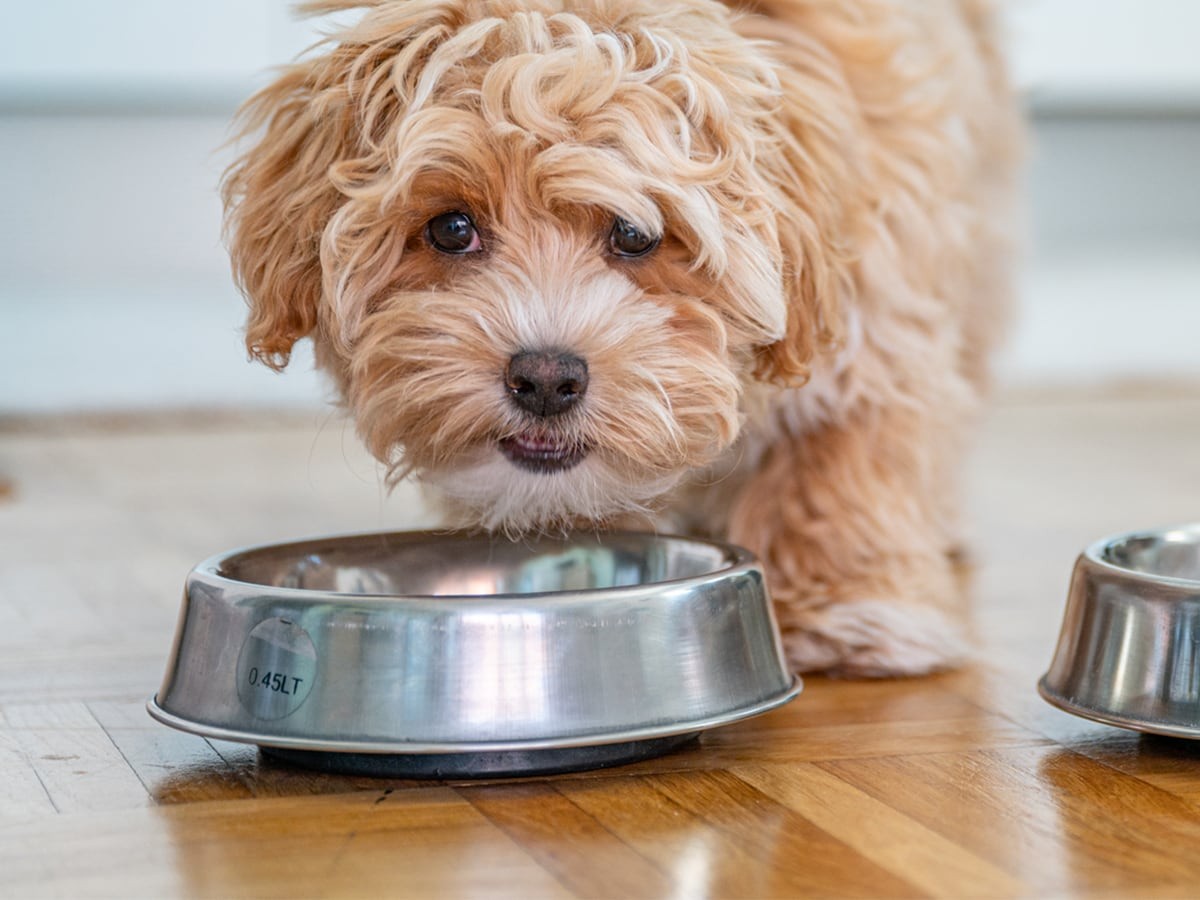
(875,639)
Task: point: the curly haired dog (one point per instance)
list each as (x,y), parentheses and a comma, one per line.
(588,262)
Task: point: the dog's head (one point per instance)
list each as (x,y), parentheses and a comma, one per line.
(543,246)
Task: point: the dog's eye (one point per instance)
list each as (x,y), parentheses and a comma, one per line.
(626,240)
(452,232)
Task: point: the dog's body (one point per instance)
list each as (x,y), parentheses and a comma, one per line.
(589,262)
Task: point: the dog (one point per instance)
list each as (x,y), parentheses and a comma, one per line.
(734,272)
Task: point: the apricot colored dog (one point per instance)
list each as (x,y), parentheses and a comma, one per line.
(586,263)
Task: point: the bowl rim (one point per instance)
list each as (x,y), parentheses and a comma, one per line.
(1095,555)
(1164,727)
(557,742)
(738,560)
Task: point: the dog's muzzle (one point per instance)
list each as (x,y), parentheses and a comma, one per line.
(543,454)
(546,384)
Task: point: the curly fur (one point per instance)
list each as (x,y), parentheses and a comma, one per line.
(794,368)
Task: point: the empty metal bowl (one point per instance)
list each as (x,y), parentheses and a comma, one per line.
(1129,651)
(438,655)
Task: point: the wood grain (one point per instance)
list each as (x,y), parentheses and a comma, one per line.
(936,865)
(569,843)
(1054,819)
(77,764)
(22,793)
(172,766)
(964,784)
(696,855)
(797,855)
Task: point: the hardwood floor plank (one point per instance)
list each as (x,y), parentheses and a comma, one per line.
(416,843)
(75,760)
(1185,785)
(790,736)
(25,616)
(831,701)
(1149,833)
(1171,764)
(798,733)
(1011,692)
(935,865)
(22,794)
(104,670)
(795,852)
(479,860)
(566,841)
(697,856)
(175,767)
(1149,892)
(1057,821)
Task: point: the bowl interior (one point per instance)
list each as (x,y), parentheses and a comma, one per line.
(1172,554)
(455,565)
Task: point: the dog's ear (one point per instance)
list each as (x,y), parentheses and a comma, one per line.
(816,281)
(278,198)
(813,162)
(315,138)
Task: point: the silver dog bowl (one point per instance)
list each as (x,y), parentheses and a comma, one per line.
(446,655)
(1129,651)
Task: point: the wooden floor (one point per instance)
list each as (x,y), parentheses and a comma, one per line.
(961,785)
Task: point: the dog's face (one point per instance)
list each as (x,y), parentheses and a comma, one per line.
(537,248)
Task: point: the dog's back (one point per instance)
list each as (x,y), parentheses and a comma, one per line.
(941,130)
(903,119)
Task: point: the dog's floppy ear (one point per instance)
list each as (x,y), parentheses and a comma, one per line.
(278,198)
(814,165)
(315,138)
(815,283)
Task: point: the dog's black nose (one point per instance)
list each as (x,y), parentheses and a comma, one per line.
(546,384)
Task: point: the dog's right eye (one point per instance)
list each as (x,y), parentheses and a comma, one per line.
(453,232)
(626,240)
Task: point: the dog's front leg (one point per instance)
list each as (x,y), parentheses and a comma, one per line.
(855,526)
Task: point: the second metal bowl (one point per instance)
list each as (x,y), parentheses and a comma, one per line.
(1129,651)
(436,655)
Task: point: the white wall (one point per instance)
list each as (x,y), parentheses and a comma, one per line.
(114,289)
(1067,51)
(1105,53)
(134,46)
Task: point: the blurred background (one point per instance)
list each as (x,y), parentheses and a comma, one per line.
(115,293)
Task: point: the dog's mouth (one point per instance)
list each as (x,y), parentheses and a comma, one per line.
(535,451)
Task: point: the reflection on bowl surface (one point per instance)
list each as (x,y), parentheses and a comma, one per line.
(457,645)
(1129,650)
(455,565)
(1174,553)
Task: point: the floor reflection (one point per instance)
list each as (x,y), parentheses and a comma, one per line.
(1114,832)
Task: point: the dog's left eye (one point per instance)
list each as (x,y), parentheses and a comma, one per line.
(626,240)
(453,232)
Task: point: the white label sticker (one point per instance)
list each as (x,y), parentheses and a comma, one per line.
(276,669)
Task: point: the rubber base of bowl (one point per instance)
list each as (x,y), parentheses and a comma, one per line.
(495,764)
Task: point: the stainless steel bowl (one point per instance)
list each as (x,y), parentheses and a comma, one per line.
(433,654)
(1129,651)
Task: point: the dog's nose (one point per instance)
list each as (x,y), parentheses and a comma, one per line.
(546,384)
